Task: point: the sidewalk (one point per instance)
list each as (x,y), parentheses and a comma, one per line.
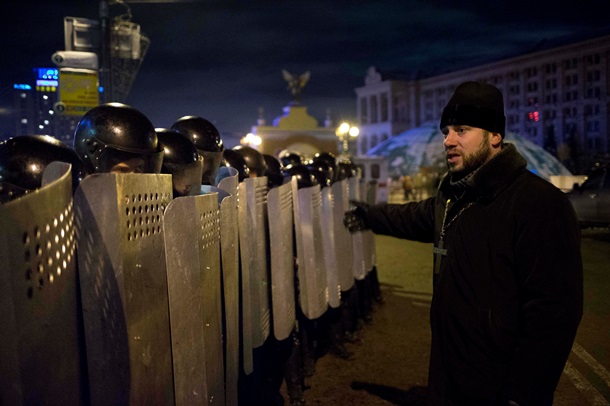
(390,363)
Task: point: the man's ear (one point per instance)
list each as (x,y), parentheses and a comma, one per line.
(496,140)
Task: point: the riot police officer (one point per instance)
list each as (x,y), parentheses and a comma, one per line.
(182,161)
(322,171)
(254,160)
(115,137)
(273,171)
(234,159)
(24,159)
(287,157)
(208,142)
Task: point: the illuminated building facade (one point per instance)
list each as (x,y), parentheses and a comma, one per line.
(558,98)
(34,108)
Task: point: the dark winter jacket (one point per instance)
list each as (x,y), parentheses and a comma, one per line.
(508,296)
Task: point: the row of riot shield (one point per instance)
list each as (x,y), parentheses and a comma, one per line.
(121,294)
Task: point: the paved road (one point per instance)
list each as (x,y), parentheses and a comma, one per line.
(390,364)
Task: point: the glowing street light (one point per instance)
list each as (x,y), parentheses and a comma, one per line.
(251,140)
(346,132)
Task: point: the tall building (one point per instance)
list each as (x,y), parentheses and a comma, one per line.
(34,107)
(558,98)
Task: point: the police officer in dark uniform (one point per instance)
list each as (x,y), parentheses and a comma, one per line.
(115,137)
(23,160)
(208,142)
(234,159)
(182,161)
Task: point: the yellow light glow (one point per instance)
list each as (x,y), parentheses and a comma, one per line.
(251,140)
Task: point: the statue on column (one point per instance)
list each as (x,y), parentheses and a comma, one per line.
(295,84)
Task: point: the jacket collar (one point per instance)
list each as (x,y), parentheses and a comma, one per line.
(494,175)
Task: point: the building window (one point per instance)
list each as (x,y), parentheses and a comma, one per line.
(375,171)
(363,146)
(570,63)
(374,141)
(593,126)
(384,107)
(531,72)
(364,115)
(374,117)
(592,59)
(550,114)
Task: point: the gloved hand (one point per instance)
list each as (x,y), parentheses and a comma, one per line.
(356,219)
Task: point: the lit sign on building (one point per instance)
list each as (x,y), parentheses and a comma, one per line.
(47,79)
(47,73)
(22,87)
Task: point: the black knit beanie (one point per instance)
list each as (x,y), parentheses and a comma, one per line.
(476,104)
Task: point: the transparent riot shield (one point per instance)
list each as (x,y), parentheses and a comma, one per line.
(192,249)
(229,249)
(252,207)
(41,339)
(358,244)
(330,249)
(123,280)
(281,252)
(368,237)
(343,238)
(313,292)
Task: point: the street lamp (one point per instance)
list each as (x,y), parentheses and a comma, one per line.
(251,140)
(347,132)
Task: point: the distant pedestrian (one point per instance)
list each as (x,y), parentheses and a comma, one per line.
(407,184)
(507,296)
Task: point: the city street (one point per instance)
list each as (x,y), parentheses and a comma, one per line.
(390,363)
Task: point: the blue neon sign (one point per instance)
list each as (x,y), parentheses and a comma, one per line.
(47,73)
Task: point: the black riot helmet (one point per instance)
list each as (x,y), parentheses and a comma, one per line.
(208,142)
(181,160)
(345,169)
(303,175)
(287,157)
(322,171)
(254,160)
(116,137)
(234,159)
(273,171)
(24,159)
(327,157)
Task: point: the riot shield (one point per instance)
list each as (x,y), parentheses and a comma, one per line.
(330,249)
(229,248)
(281,252)
(252,206)
(367,194)
(343,239)
(313,292)
(192,249)
(227,179)
(358,244)
(123,280)
(42,343)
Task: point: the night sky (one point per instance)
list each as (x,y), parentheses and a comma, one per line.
(222,60)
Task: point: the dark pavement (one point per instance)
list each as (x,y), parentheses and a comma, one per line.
(390,363)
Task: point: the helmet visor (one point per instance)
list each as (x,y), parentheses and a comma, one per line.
(211,163)
(111,159)
(186,178)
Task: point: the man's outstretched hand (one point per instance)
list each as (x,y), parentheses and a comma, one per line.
(356,219)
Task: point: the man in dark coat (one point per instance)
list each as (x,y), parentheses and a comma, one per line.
(507,295)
